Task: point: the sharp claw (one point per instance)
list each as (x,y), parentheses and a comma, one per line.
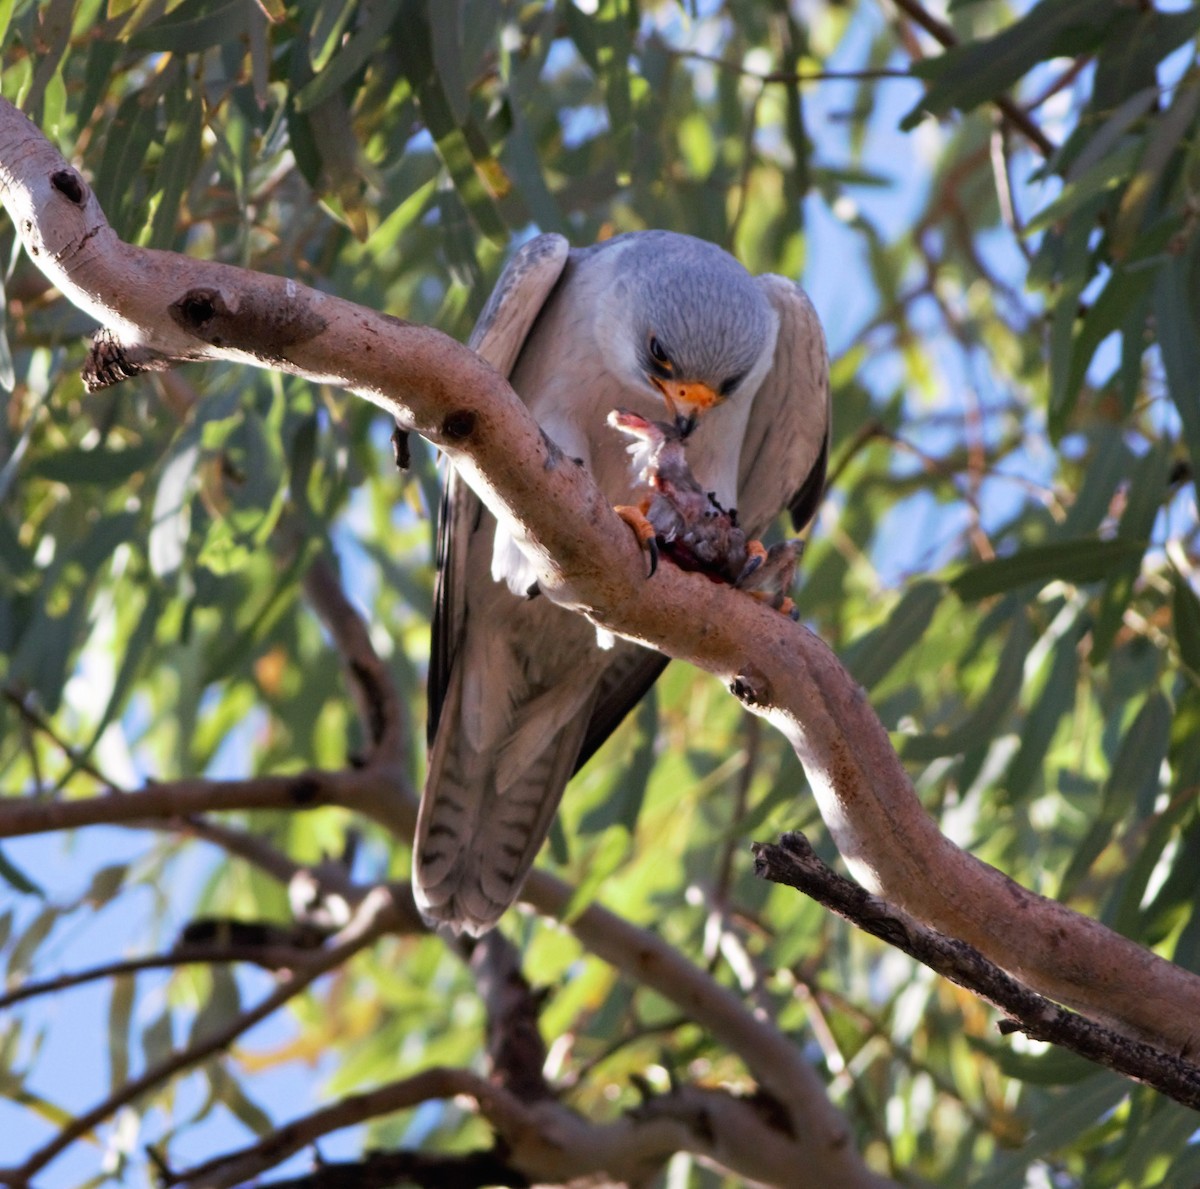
(652,550)
(752,564)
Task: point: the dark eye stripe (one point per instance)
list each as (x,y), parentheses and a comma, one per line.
(729,385)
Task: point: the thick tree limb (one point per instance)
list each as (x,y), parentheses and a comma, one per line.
(174,308)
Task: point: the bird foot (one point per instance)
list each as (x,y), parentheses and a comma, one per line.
(781,603)
(769,574)
(643,530)
(756,554)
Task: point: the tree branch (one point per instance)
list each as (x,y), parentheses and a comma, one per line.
(379,703)
(383,911)
(359,789)
(273,955)
(547,1143)
(794,862)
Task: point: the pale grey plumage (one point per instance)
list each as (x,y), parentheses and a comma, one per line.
(520,692)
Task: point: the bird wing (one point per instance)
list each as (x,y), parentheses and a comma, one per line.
(622,686)
(786,447)
(518,298)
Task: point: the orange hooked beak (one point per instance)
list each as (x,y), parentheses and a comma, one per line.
(685,398)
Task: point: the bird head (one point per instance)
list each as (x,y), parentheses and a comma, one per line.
(688,323)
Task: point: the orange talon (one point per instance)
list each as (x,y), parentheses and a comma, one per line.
(643,530)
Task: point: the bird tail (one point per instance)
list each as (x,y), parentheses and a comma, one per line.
(482,821)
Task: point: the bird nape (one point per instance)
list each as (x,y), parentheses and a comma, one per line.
(666,328)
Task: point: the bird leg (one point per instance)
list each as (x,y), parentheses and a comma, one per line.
(643,530)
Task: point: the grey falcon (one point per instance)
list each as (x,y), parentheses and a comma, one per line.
(522,692)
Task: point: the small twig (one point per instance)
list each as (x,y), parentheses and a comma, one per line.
(793,862)
(270,957)
(1002,173)
(792,77)
(1065,79)
(39,723)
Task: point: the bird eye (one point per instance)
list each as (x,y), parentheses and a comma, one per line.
(656,351)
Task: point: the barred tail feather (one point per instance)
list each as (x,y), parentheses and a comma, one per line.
(475,844)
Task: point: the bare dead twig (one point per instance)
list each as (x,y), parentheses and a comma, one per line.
(792,861)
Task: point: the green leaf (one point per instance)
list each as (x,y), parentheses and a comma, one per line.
(1080,561)
(1055,699)
(17,879)
(158,1042)
(21,957)
(1167,138)
(227,1090)
(873,656)
(1176,316)
(1186,621)
(1125,292)
(1135,771)
(177,165)
(126,148)
(8,377)
(992,709)
(623,803)
(415,54)
(221,1006)
(348,59)
(171,518)
(602,859)
(80,466)
(193,26)
(326,30)
(971,74)
(1148,490)
(120,1013)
